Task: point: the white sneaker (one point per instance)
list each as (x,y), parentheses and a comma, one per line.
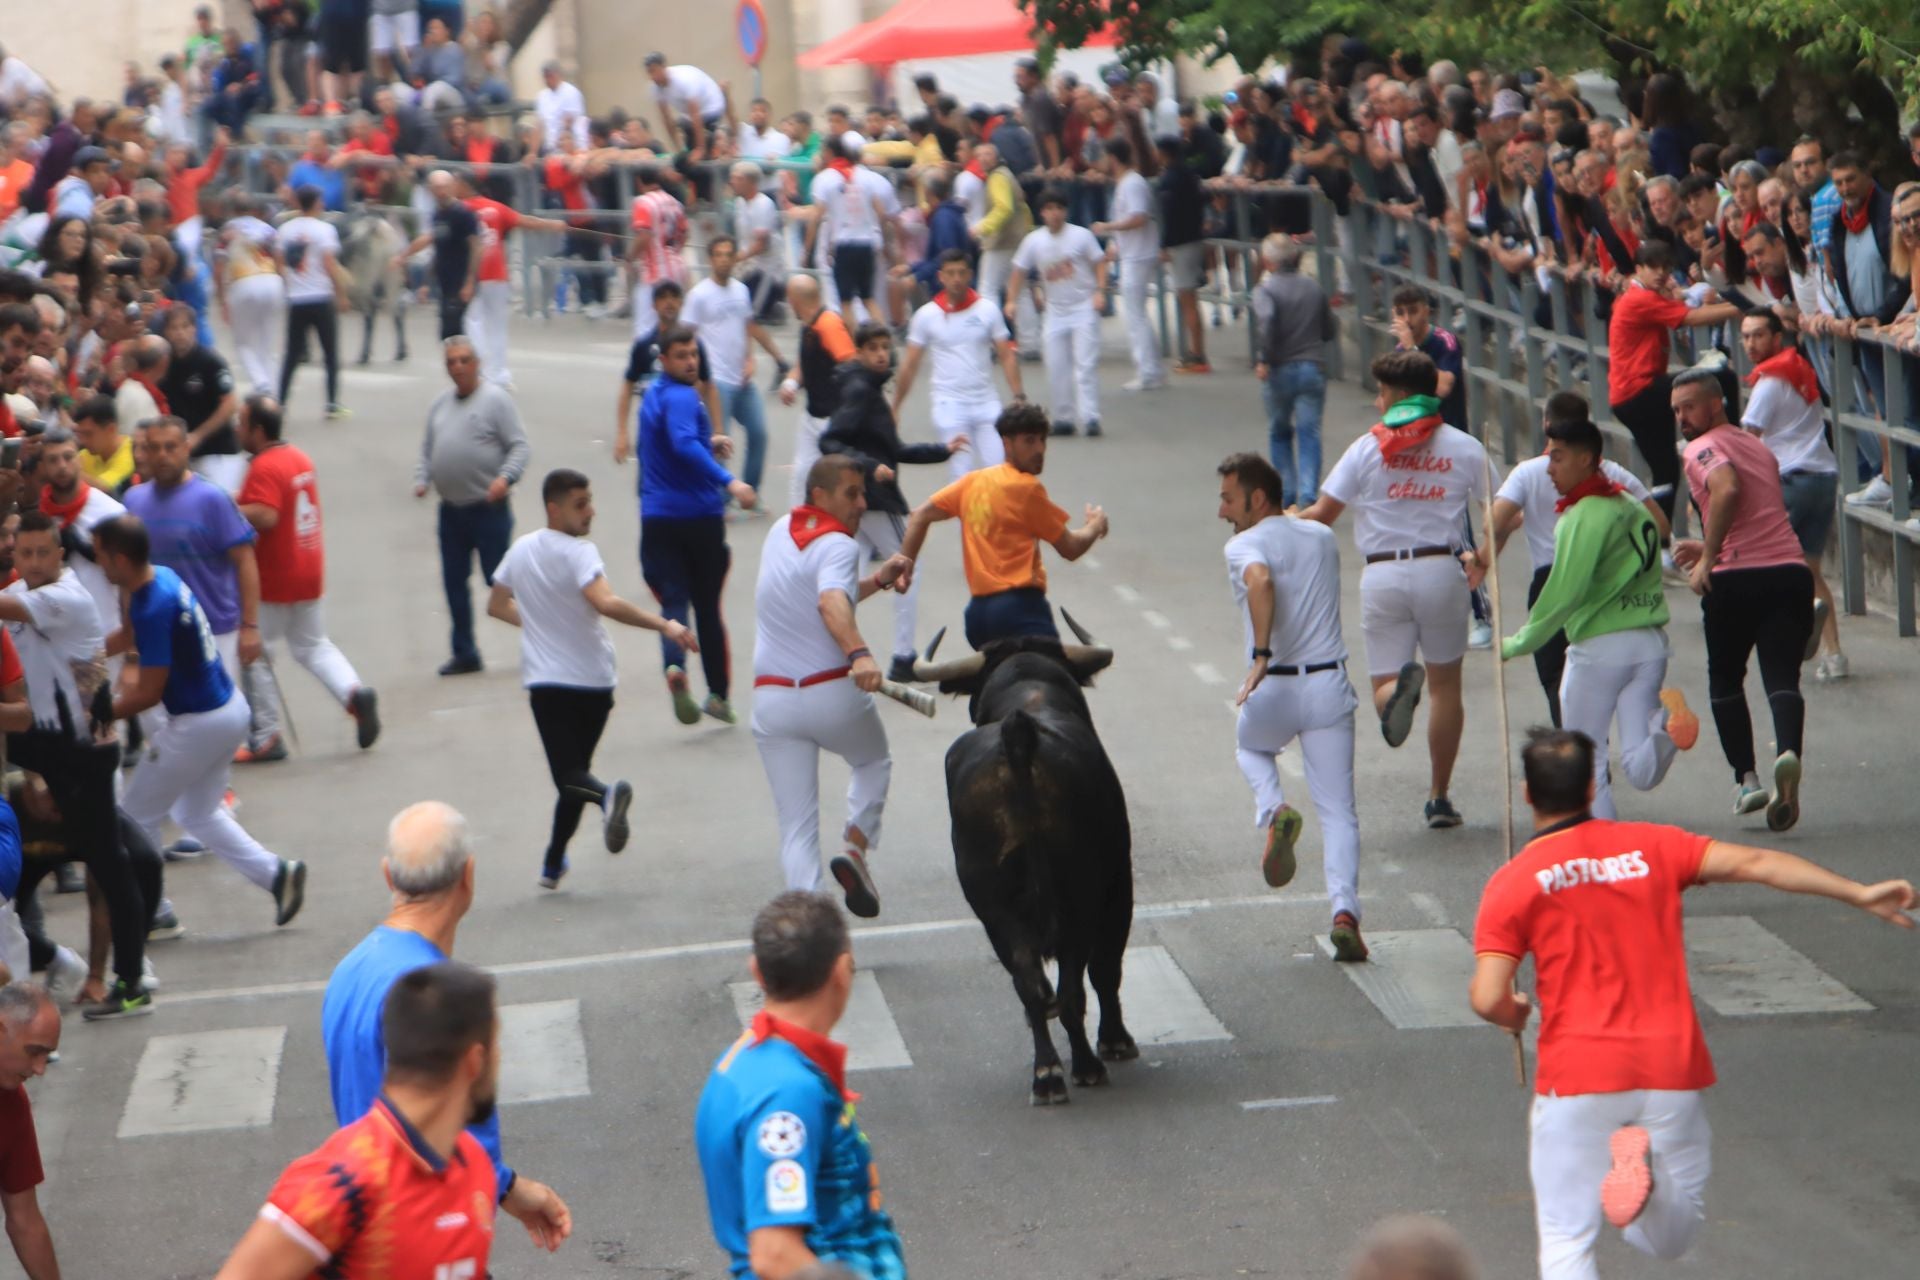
(1140,384)
(1832,667)
(149,980)
(1877,493)
(1480,635)
(66,974)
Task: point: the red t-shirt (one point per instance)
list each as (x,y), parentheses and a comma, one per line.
(370,178)
(1638,339)
(291,555)
(1597,905)
(19,1145)
(374,1202)
(496,220)
(11,670)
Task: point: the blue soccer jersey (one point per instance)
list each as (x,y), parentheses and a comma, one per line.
(170,631)
(780,1147)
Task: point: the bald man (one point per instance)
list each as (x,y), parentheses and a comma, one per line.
(457,250)
(824,345)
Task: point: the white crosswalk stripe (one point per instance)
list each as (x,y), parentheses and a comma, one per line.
(1159,1003)
(1741,969)
(1416,978)
(543,1053)
(205,1080)
(866,1028)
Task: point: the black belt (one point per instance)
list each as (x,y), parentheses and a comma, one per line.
(1309,669)
(1409,553)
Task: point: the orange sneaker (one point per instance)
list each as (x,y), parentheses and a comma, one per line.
(1682,725)
(1628,1186)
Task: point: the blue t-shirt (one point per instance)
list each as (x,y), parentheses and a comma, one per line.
(679,476)
(780,1147)
(1443,349)
(350,1028)
(194,527)
(331,182)
(170,631)
(10,856)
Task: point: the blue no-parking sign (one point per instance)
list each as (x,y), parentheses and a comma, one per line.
(750,28)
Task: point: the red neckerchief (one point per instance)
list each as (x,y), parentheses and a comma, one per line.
(940,300)
(973,167)
(65,512)
(153,389)
(828,1055)
(8,427)
(479,154)
(1856,223)
(1303,118)
(1778,288)
(1396,440)
(842,166)
(809,522)
(1792,368)
(1748,221)
(1594,486)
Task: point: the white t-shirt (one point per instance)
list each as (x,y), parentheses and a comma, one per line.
(1793,428)
(852,208)
(1304,558)
(1064,264)
(1132,195)
(101,505)
(309,282)
(768,145)
(719,313)
(561,109)
(963,344)
(690,92)
(1528,487)
(562,640)
(971,191)
(790,638)
(65,630)
(1419,499)
(750,217)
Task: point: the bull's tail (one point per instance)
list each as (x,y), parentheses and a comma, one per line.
(1020,739)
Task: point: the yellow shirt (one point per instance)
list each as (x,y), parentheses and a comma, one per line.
(115,471)
(1004,516)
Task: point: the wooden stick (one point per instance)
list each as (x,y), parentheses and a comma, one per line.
(1489,548)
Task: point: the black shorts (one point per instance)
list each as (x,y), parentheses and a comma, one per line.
(853,271)
(343,45)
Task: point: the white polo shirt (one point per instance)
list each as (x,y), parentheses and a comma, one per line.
(1528,487)
(1304,558)
(962,344)
(718,314)
(1420,498)
(562,638)
(1064,264)
(790,639)
(1795,429)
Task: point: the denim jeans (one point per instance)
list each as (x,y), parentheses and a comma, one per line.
(1296,396)
(1008,615)
(741,403)
(483,528)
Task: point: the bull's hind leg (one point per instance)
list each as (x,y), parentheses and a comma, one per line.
(366,332)
(400,326)
(1115,1044)
(1022,961)
(1087,1067)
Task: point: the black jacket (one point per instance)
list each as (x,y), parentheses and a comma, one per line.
(862,428)
(1880,226)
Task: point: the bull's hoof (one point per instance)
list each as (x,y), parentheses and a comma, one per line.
(1091,1074)
(1119,1049)
(1050,1087)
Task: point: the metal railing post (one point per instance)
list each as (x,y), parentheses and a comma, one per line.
(1853,560)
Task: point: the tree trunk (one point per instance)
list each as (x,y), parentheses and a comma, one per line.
(520,18)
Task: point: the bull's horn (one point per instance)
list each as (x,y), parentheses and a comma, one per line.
(1088,658)
(956,669)
(1078,630)
(934,644)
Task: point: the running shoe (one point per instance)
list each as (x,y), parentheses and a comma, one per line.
(1783,809)
(1396,718)
(1877,493)
(551,879)
(462,666)
(149,979)
(1193,366)
(720,709)
(289,890)
(1682,725)
(363,704)
(1061,427)
(1093,428)
(1278,864)
(1348,946)
(1820,611)
(166,925)
(337,412)
(268,752)
(1832,667)
(619,796)
(850,870)
(1141,384)
(1480,635)
(66,973)
(1441,813)
(685,709)
(121,1002)
(1628,1186)
(1748,795)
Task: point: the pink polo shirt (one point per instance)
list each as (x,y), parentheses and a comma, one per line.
(1761,535)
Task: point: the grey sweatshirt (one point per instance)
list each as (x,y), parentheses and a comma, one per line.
(469,442)
(1293,318)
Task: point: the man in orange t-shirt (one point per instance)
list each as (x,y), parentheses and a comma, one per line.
(1618,1125)
(15,175)
(1005,515)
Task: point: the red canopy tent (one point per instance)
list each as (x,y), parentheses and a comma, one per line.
(916,29)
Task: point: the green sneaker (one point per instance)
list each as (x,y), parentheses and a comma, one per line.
(121,1002)
(720,709)
(685,709)
(1283,833)
(1348,946)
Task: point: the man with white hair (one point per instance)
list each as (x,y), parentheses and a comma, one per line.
(429,867)
(29,1038)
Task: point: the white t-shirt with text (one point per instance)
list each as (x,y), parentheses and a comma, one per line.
(1419,498)
(962,345)
(1064,264)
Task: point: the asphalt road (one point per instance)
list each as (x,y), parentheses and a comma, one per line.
(621,981)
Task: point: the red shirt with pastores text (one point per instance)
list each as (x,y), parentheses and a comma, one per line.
(1597,905)
(291,555)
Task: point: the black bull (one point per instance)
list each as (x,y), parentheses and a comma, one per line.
(1041,842)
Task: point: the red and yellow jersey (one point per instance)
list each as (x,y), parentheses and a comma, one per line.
(375,1202)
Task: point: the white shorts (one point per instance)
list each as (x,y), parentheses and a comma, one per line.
(389,31)
(1413,605)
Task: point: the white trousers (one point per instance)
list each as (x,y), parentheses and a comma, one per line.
(791,727)
(641,295)
(303,626)
(14,954)
(995,266)
(1569,1159)
(974,419)
(1317,710)
(879,536)
(258,305)
(185,778)
(806,452)
(1619,676)
(486,326)
(1135,275)
(1072,344)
